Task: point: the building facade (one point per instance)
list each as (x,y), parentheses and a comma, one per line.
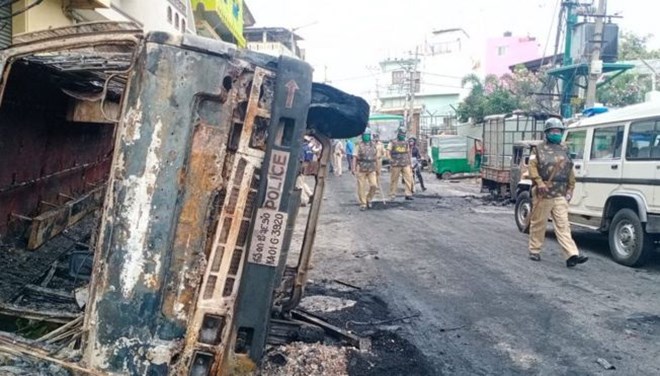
(219,19)
(429,81)
(274,41)
(165,15)
(507,50)
(222,19)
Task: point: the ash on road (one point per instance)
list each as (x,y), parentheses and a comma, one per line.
(457,264)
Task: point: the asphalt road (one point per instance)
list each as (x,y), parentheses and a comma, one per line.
(484,308)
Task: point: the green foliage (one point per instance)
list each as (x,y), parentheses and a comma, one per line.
(494,95)
(628,88)
(34,329)
(624,90)
(633,47)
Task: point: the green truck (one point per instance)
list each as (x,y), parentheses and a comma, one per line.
(452,155)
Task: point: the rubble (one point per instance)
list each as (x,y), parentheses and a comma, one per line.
(301,359)
(21,366)
(320,303)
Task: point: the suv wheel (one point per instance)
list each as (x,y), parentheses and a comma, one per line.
(629,244)
(523,211)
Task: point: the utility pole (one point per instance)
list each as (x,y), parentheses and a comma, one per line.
(375,72)
(413,88)
(409,67)
(596,66)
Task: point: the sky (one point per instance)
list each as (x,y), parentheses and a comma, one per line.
(345,38)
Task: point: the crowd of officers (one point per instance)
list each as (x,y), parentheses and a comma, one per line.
(550,169)
(365,161)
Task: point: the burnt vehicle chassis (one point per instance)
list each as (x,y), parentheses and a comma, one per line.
(135,171)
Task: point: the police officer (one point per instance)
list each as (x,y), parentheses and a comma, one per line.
(400,162)
(380,154)
(551,171)
(364,166)
(416,162)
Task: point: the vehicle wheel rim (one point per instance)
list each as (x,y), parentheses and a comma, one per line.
(625,239)
(523,212)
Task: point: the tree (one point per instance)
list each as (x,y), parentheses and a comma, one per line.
(629,88)
(526,86)
(487,97)
(633,47)
(494,95)
(624,90)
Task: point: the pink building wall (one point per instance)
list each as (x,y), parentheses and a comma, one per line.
(505,51)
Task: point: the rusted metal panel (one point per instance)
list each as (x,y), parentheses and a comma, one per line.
(101,31)
(216,302)
(203,179)
(292,97)
(183,143)
(36,162)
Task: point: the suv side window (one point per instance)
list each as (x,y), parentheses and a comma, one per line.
(644,141)
(607,143)
(575,141)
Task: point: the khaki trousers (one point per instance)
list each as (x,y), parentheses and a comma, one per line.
(337,164)
(395,173)
(379,169)
(558,208)
(367,185)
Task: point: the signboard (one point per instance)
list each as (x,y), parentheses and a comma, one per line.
(267,237)
(279,162)
(270,223)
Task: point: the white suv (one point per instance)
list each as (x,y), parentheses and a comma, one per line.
(617,168)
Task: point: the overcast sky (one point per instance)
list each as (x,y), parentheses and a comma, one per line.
(344,37)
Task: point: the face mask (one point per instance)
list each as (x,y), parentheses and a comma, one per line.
(401,137)
(554,138)
(366,137)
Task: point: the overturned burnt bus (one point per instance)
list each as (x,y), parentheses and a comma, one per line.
(148,198)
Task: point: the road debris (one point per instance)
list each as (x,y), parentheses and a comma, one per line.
(605,364)
(347,284)
(320,303)
(382,322)
(302,359)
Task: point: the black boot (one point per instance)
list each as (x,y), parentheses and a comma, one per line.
(576,259)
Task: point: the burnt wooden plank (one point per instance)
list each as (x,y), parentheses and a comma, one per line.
(56,316)
(50,294)
(53,222)
(21,267)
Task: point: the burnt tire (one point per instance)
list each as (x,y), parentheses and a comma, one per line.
(630,245)
(337,114)
(523,211)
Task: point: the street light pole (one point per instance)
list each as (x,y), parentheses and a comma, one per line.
(294,46)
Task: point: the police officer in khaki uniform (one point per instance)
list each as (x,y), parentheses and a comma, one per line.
(400,162)
(551,171)
(364,166)
(380,154)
